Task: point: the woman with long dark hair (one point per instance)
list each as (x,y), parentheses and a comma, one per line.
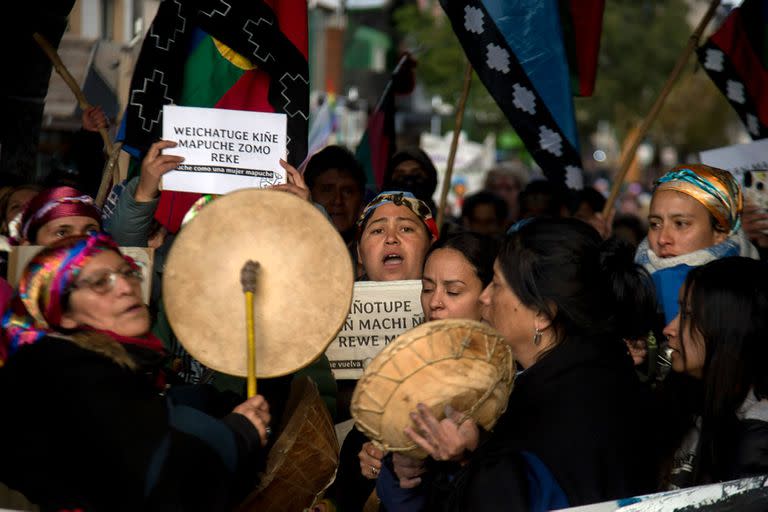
(573,431)
(718,339)
(456,271)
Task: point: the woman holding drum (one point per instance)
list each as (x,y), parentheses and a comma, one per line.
(573,431)
(394,233)
(93,425)
(457,270)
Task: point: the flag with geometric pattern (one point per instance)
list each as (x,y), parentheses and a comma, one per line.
(516,48)
(736,59)
(234,54)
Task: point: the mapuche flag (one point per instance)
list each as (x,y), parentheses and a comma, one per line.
(736,59)
(377,145)
(238,54)
(517,49)
(582,25)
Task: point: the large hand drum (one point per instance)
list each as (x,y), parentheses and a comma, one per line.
(461,363)
(304,285)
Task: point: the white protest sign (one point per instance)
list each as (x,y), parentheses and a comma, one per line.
(738,158)
(224,150)
(380,312)
(749,165)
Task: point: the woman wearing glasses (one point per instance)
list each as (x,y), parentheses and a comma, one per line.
(87,419)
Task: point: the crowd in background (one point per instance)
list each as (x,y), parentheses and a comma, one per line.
(106,401)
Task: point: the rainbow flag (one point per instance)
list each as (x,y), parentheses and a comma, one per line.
(323,126)
(736,59)
(240,55)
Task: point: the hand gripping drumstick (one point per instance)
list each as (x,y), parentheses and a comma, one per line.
(248,276)
(111,150)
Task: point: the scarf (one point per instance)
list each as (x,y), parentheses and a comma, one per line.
(55,203)
(669,274)
(399,198)
(37,308)
(717,190)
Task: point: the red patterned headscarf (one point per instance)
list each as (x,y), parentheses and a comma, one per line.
(55,203)
(399,198)
(37,308)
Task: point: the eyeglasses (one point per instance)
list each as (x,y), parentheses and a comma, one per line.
(104,282)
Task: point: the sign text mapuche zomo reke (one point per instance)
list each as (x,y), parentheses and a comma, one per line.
(224,150)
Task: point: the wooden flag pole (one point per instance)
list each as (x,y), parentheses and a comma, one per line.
(62,70)
(642,130)
(111,169)
(454,145)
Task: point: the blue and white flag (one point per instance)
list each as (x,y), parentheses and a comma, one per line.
(516,48)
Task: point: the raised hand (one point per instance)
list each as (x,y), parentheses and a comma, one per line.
(154,165)
(296,184)
(93,119)
(448,439)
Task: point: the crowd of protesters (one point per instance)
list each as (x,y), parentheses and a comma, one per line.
(103,404)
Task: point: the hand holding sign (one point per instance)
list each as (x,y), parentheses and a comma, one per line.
(296,184)
(224,150)
(154,165)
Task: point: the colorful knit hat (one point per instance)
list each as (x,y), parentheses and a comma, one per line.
(399,198)
(38,306)
(55,203)
(714,188)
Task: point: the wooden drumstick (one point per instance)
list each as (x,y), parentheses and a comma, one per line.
(248,276)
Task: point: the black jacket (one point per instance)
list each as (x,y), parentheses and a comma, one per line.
(83,430)
(583,413)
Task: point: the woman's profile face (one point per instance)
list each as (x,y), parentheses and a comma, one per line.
(450,287)
(107,296)
(687,344)
(504,311)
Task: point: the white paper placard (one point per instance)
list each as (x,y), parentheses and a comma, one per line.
(224,150)
(738,158)
(380,312)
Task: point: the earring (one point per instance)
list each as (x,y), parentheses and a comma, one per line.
(537,337)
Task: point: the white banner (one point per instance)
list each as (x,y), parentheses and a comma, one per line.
(749,164)
(380,312)
(738,158)
(224,150)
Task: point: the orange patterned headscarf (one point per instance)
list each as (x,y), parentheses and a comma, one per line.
(714,188)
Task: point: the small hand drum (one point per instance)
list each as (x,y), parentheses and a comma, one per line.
(461,363)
